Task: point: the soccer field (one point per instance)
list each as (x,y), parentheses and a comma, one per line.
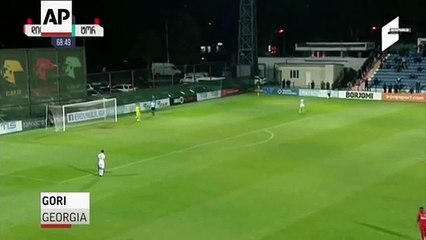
(244,167)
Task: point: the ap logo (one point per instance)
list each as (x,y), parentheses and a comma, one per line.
(56,17)
(71,63)
(10,67)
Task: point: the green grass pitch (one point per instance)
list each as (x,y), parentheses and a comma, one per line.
(240,168)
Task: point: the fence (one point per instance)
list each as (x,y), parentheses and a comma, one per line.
(146,78)
(30,78)
(243,84)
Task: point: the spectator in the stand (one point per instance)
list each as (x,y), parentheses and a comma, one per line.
(322,85)
(390,88)
(366,85)
(416,60)
(404,63)
(384,87)
(283,83)
(417,87)
(395,88)
(413,76)
(349,85)
(412,89)
(419,69)
(312,84)
(387,66)
(398,80)
(327,85)
(376,81)
(288,83)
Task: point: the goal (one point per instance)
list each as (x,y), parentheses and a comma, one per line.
(62,116)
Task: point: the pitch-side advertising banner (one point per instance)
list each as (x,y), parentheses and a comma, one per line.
(318,93)
(360,95)
(280,91)
(159,103)
(10,127)
(230,92)
(86,115)
(182,99)
(208,95)
(401,97)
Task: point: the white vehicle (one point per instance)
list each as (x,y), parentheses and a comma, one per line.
(197,74)
(189,79)
(193,77)
(259,80)
(102,86)
(165,69)
(123,88)
(210,78)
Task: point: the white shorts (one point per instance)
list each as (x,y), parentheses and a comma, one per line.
(101,165)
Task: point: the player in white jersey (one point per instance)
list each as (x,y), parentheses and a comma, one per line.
(101,163)
(302,106)
(153,105)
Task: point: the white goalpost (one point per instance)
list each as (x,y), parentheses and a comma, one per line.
(61,116)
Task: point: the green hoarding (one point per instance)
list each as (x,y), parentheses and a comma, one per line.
(72,74)
(13,78)
(32,78)
(44,75)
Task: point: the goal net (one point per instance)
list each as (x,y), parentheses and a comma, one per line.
(62,116)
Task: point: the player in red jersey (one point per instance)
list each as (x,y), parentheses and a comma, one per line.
(421,220)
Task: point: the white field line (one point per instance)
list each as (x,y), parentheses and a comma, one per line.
(267,129)
(271,136)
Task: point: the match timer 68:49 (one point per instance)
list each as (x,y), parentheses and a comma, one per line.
(63,42)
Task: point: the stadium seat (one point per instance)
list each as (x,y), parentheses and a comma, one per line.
(408,74)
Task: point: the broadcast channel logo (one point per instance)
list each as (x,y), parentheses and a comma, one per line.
(391,32)
(57,21)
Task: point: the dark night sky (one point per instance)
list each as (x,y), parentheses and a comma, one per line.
(304,20)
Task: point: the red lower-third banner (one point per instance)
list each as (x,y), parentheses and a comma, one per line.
(56,225)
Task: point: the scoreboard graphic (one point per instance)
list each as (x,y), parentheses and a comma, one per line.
(76,30)
(58,23)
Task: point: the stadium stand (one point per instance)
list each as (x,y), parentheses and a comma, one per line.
(408,73)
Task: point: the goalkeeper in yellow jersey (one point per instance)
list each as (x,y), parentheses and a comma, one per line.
(138,112)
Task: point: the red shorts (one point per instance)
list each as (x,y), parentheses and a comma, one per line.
(423,229)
